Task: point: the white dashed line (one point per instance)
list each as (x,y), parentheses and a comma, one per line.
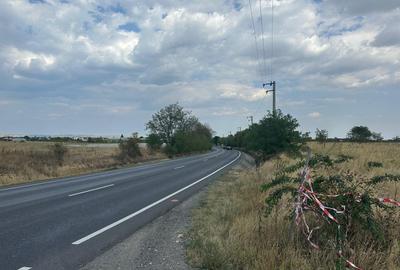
(180,167)
(116,223)
(90,190)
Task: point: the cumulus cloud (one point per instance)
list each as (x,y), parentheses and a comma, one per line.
(130,58)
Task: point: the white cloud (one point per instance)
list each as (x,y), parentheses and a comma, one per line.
(200,53)
(314,115)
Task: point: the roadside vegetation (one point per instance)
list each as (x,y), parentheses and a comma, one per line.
(179,131)
(248,220)
(173,132)
(236,229)
(28,161)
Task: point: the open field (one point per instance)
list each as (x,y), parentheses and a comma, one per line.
(28,161)
(231,231)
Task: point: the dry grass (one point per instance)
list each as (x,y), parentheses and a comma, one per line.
(230,230)
(28,161)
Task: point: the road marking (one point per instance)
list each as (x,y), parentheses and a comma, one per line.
(79,178)
(90,190)
(25,268)
(116,223)
(180,167)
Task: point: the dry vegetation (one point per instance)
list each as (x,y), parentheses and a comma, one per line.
(230,230)
(28,161)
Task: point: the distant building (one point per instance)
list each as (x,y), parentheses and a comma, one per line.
(19,139)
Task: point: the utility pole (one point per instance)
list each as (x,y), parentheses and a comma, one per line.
(240,129)
(273,90)
(250,118)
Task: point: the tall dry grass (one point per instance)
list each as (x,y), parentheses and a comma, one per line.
(230,230)
(28,161)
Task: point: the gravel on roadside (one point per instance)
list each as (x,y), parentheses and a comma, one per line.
(160,245)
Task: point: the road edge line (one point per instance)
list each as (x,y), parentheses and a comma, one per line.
(116,223)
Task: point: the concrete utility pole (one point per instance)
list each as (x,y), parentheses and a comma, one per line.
(273,90)
(240,129)
(250,118)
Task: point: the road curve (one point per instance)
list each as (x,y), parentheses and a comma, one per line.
(65,223)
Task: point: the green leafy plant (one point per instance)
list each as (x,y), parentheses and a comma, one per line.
(341,206)
(374,164)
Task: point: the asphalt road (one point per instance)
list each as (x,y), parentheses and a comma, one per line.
(65,223)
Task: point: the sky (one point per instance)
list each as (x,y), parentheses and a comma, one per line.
(103,67)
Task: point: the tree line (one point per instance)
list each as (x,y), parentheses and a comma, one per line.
(277,133)
(174,131)
(355,134)
(274,134)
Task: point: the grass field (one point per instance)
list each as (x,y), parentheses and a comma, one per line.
(230,230)
(28,161)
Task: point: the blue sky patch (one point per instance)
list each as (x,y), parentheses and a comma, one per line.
(117,9)
(129,27)
(237,5)
(37,1)
(336,30)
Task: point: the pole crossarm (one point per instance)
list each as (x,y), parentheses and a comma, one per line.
(273,90)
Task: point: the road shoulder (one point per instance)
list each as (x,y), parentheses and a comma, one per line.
(161,243)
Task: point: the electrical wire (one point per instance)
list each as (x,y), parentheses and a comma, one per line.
(263,42)
(255,39)
(272,40)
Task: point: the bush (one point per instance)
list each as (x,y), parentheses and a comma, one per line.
(59,151)
(359,134)
(276,133)
(349,210)
(129,149)
(374,164)
(321,135)
(170,151)
(154,142)
(179,130)
(191,142)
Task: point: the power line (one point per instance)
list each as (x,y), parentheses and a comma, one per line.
(263,42)
(255,38)
(272,39)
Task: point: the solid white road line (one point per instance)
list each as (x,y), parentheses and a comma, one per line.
(25,268)
(180,167)
(116,223)
(90,190)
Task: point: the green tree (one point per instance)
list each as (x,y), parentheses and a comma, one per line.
(168,121)
(197,138)
(321,135)
(274,134)
(396,139)
(359,134)
(216,140)
(377,136)
(181,131)
(306,136)
(154,142)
